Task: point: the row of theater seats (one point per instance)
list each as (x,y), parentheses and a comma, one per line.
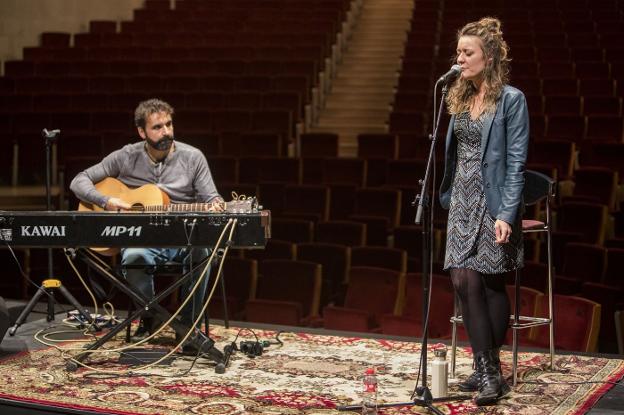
(575,119)
(122,103)
(363,225)
(575,105)
(529,62)
(585,96)
(84,101)
(40,59)
(603,124)
(558,158)
(205,121)
(179,63)
(560,125)
(587,105)
(329,285)
(412,82)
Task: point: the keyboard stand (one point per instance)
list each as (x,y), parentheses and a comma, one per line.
(199,339)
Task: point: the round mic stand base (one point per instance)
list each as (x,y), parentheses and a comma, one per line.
(424,401)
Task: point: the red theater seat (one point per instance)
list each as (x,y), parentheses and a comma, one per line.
(286,289)
(371,293)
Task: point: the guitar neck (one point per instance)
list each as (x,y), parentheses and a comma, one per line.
(178,207)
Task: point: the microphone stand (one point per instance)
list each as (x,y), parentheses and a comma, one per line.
(50,283)
(421,396)
(50,137)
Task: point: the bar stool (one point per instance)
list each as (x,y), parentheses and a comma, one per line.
(174,270)
(537,187)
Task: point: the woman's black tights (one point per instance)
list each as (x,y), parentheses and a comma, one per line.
(484,307)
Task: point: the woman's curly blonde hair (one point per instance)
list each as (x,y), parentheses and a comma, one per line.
(495,73)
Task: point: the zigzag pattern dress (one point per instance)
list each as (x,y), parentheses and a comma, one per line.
(471,238)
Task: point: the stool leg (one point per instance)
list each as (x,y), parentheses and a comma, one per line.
(551,315)
(454,337)
(514,328)
(226,318)
(551,304)
(514,364)
(129,326)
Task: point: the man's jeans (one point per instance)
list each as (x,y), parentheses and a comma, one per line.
(142,278)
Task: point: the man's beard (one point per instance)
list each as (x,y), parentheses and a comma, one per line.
(163,144)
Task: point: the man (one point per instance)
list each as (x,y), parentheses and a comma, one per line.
(181,171)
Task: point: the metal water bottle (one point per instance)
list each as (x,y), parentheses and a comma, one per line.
(439,373)
(369,392)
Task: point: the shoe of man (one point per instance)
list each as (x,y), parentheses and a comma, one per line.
(146,327)
(199,344)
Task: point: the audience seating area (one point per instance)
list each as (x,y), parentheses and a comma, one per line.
(242,70)
(246,84)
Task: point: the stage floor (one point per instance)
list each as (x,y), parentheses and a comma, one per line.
(611,402)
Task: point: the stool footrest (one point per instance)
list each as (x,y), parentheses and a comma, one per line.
(527,322)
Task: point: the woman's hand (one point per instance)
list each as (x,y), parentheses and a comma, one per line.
(503,231)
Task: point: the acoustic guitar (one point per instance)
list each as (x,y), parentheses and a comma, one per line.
(147,198)
(150,198)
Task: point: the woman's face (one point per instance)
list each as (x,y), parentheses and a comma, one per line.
(470,57)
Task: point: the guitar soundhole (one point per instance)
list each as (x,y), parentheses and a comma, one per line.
(138,207)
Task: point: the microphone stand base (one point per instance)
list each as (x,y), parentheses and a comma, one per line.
(423,401)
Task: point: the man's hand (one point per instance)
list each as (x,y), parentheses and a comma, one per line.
(218,205)
(115,203)
(503,231)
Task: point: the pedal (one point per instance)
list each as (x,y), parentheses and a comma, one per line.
(141,356)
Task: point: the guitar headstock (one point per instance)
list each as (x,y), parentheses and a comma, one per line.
(241,204)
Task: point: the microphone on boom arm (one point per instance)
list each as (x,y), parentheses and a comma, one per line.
(451,74)
(50,134)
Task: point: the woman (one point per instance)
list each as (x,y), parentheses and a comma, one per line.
(486,148)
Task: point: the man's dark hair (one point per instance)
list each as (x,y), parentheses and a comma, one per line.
(149,107)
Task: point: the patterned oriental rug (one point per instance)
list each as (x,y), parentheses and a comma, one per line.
(310,374)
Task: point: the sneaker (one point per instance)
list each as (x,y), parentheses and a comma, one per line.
(146,326)
(193,344)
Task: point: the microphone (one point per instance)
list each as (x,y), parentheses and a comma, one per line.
(451,74)
(51,133)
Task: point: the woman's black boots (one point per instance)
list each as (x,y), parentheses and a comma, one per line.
(471,384)
(493,385)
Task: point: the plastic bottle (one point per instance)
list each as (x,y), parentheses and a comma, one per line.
(369,392)
(439,373)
